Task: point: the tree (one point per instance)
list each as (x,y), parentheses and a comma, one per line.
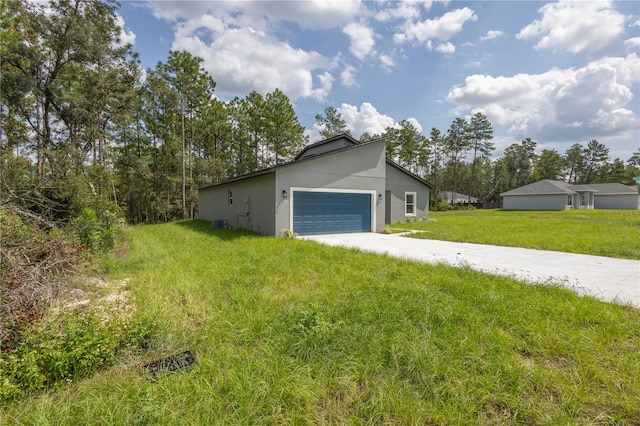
(285,135)
(437,144)
(331,123)
(574,163)
(518,163)
(66,79)
(457,143)
(615,172)
(194,88)
(596,155)
(406,146)
(480,134)
(549,165)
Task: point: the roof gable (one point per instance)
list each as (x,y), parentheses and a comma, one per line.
(543,187)
(332,145)
(327,145)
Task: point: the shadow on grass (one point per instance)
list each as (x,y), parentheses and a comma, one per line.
(205,227)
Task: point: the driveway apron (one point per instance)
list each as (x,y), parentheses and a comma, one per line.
(605,278)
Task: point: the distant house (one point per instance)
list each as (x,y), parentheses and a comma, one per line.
(337,185)
(456,197)
(557,195)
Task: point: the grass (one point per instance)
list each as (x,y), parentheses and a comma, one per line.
(611,233)
(293,332)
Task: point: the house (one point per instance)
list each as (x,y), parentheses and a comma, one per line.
(557,195)
(456,197)
(336,185)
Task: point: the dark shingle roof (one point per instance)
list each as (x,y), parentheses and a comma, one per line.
(554,187)
(543,187)
(611,188)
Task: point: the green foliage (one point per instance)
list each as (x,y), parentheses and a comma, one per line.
(288,234)
(67,346)
(97,233)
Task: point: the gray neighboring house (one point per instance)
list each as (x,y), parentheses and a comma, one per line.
(457,197)
(557,195)
(337,185)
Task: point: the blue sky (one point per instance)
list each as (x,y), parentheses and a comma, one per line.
(558,72)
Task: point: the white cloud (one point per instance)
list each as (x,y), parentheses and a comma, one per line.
(387,62)
(442,28)
(243,59)
(366,119)
(405,10)
(492,35)
(577,26)
(632,44)
(362,39)
(415,123)
(569,104)
(126,37)
(635,23)
(445,48)
(315,14)
(347,76)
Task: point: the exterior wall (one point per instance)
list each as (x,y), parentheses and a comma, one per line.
(361,168)
(617,202)
(397,184)
(535,202)
(258,192)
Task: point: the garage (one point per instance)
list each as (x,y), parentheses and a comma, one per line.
(317,212)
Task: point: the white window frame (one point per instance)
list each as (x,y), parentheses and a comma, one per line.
(295,189)
(229,197)
(570,200)
(407,204)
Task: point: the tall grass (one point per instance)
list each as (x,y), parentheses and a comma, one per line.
(611,233)
(293,332)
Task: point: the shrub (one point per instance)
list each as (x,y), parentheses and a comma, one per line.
(68,346)
(288,234)
(96,233)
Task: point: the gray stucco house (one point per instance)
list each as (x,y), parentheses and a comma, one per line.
(456,197)
(557,195)
(336,185)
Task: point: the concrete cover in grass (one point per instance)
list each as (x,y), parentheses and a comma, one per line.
(608,279)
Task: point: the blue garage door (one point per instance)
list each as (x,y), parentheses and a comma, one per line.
(331,212)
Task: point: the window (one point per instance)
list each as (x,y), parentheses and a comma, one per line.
(229,198)
(409,203)
(570,200)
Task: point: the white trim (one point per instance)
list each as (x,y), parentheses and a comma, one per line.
(415,203)
(293,189)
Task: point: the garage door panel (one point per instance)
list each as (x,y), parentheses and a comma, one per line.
(331,212)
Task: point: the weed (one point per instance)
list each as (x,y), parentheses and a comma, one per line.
(294,332)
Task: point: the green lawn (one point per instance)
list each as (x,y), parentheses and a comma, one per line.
(293,332)
(612,233)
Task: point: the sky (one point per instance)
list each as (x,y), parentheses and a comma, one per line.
(556,72)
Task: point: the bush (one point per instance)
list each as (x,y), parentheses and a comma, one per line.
(68,346)
(97,234)
(441,206)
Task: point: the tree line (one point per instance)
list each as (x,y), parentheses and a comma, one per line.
(459,160)
(83,125)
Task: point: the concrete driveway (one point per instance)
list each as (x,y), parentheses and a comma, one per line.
(605,278)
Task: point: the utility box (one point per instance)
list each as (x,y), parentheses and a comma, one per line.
(219,223)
